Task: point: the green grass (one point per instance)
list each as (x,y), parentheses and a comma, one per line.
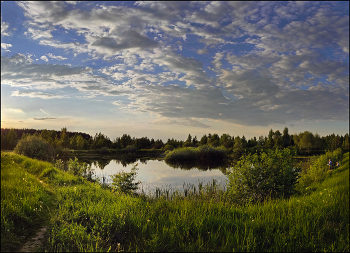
(200,153)
(89,217)
(25,201)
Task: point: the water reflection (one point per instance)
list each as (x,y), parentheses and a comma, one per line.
(201,165)
(155,172)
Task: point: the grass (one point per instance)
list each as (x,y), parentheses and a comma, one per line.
(199,153)
(90,217)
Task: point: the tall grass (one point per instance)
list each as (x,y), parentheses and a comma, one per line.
(200,153)
(89,217)
(24,202)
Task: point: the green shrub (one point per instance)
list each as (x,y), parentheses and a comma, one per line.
(104,151)
(168,147)
(130,149)
(125,181)
(259,176)
(190,154)
(318,170)
(35,147)
(79,169)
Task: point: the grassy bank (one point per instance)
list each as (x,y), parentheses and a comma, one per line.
(89,217)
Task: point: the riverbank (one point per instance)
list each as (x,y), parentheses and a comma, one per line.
(90,217)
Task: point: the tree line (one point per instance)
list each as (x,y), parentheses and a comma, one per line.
(305,142)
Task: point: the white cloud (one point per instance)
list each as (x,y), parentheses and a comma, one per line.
(4,27)
(58,57)
(34,94)
(6,46)
(44,58)
(38,34)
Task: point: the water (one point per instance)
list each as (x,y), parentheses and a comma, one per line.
(157,173)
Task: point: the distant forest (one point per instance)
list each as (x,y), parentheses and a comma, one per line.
(304,142)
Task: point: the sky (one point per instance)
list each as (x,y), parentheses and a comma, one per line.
(169,69)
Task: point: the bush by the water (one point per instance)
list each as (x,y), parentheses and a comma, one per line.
(258,176)
(125,181)
(200,153)
(35,147)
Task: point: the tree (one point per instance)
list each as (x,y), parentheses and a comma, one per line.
(238,148)
(203,140)
(194,141)
(214,140)
(10,139)
(125,140)
(304,141)
(188,142)
(64,140)
(277,139)
(269,143)
(285,137)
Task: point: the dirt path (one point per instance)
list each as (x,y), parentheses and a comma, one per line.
(35,242)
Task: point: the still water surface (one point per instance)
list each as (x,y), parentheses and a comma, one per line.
(157,173)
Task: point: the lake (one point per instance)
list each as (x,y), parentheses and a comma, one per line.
(157,173)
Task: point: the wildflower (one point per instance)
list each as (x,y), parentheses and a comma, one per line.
(148,220)
(252,220)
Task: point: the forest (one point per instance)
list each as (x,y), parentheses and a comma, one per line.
(305,143)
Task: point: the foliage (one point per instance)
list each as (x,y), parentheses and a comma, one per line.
(80,169)
(35,147)
(168,147)
(87,217)
(104,151)
(125,181)
(260,176)
(319,170)
(130,149)
(199,153)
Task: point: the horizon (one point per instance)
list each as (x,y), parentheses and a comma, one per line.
(168,69)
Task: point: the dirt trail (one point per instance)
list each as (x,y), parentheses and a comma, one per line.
(35,242)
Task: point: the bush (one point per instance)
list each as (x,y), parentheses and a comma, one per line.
(319,168)
(104,151)
(130,149)
(80,169)
(35,147)
(257,177)
(124,181)
(168,147)
(200,153)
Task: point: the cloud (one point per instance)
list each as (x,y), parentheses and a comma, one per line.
(58,57)
(4,27)
(46,118)
(183,122)
(34,94)
(44,58)
(6,46)
(15,110)
(202,51)
(273,62)
(38,34)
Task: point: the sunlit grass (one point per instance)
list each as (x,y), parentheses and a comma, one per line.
(89,217)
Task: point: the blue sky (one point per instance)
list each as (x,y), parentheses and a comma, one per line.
(167,69)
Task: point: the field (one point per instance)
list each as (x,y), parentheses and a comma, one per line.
(85,216)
